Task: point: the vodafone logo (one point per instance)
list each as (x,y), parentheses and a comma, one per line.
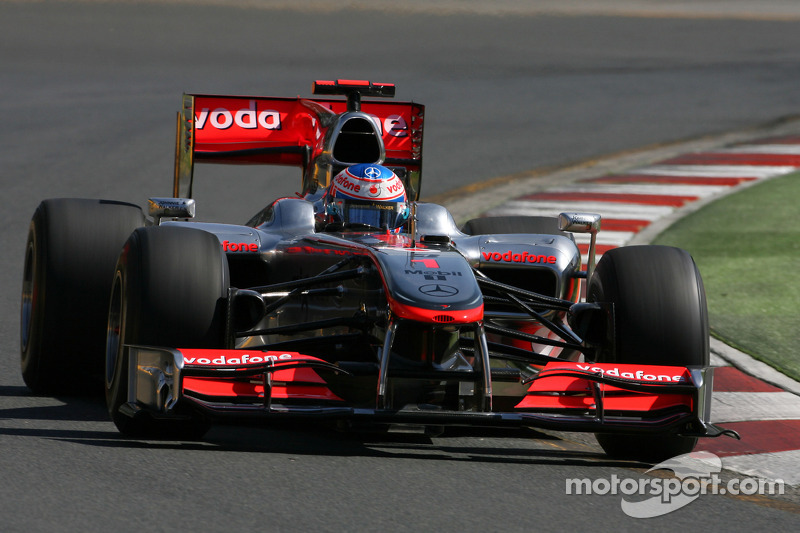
(524,257)
(396,126)
(370,186)
(244,359)
(395,187)
(248,118)
(346,184)
(649,374)
(239,246)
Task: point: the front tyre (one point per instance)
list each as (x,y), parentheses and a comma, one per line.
(70,254)
(170,288)
(660,318)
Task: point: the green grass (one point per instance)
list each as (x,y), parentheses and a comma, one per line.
(747,246)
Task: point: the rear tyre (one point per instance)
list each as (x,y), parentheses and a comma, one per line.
(661,318)
(514,224)
(70,255)
(170,289)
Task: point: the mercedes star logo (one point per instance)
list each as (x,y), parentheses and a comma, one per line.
(373,172)
(437,290)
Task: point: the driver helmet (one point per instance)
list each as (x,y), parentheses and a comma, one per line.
(367,195)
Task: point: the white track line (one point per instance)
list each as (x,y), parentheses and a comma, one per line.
(700,191)
(710,171)
(607,209)
(767,149)
(748,406)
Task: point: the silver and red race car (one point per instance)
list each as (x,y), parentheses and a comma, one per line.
(354,302)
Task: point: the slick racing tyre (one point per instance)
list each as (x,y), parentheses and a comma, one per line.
(70,255)
(660,318)
(169,289)
(513,224)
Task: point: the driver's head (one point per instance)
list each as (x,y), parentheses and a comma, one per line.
(367,196)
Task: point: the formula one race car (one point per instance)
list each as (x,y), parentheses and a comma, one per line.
(354,302)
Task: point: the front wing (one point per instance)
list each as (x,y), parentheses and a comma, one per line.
(247,384)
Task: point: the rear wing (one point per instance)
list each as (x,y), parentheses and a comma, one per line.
(321,136)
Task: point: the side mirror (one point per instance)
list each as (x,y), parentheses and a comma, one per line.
(159,208)
(579,222)
(582,223)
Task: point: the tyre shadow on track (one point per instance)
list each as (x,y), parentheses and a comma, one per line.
(325,443)
(20,403)
(76,420)
(511,447)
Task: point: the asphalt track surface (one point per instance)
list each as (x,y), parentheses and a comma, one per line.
(89,96)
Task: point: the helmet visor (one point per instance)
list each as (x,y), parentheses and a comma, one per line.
(380,215)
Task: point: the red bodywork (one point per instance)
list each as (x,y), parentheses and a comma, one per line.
(289,377)
(562,386)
